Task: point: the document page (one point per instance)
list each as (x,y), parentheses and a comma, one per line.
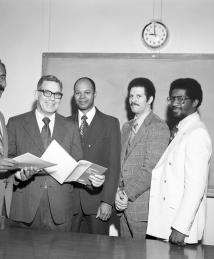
(30,160)
(65,164)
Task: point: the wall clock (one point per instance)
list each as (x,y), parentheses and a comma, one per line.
(155,34)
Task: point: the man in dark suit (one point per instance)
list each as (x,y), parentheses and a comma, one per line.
(41,202)
(143,139)
(6,180)
(101,145)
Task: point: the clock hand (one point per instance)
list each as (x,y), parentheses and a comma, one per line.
(154,29)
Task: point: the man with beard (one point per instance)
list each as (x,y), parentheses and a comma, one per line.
(143,139)
(179,180)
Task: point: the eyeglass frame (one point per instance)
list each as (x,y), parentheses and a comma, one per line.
(48,93)
(181,99)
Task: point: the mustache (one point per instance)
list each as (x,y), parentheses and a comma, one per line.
(132,103)
(1,88)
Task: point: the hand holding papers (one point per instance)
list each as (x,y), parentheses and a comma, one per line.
(29,165)
(67,168)
(28,160)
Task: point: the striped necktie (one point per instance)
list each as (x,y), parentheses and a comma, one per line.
(1,143)
(133,131)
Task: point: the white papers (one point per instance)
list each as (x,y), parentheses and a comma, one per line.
(68,169)
(55,153)
(29,160)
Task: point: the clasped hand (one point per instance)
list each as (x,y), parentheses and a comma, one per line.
(121,200)
(96,180)
(26,173)
(104,211)
(7,164)
(177,237)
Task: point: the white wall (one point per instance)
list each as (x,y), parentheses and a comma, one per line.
(30,27)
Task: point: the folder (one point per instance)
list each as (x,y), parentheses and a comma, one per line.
(67,169)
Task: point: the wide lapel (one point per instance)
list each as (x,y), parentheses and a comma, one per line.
(125,139)
(31,126)
(178,138)
(95,129)
(4,133)
(140,133)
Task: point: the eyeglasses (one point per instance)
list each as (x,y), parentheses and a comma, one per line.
(48,93)
(179,99)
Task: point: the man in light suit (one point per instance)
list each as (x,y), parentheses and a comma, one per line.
(179,180)
(6,180)
(101,145)
(144,139)
(41,202)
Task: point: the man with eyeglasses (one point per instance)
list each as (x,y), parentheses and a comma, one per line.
(41,202)
(179,180)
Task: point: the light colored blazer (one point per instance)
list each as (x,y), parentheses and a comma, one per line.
(179,181)
(146,149)
(6,181)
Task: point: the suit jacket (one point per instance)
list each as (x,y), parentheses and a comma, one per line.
(146,149)
(102,146)
(6,180)
(24,136)
(179,180)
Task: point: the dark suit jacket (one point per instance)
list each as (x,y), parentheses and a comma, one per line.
(5,179)
(102,146)
(24,136)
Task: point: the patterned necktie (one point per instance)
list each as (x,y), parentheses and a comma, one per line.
(46,133)
(83,126)
(133,131)
(132,135)
(1,143)
(173,133)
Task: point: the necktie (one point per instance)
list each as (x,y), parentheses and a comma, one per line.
(133,131)
(132,135)
(83,126)
(46,133)
(1,144)
(173,133)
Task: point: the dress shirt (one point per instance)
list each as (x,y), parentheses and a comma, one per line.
(140,120)
(90,115)
(40,116)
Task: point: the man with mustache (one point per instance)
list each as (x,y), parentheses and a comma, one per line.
(143,139)
(178,190)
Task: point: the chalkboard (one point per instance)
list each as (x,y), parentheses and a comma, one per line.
(112,73)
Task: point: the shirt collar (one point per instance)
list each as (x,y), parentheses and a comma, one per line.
(40,116)
(141,119)
(186,120)
(90,115)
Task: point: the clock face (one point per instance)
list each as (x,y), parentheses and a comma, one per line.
(155,34)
